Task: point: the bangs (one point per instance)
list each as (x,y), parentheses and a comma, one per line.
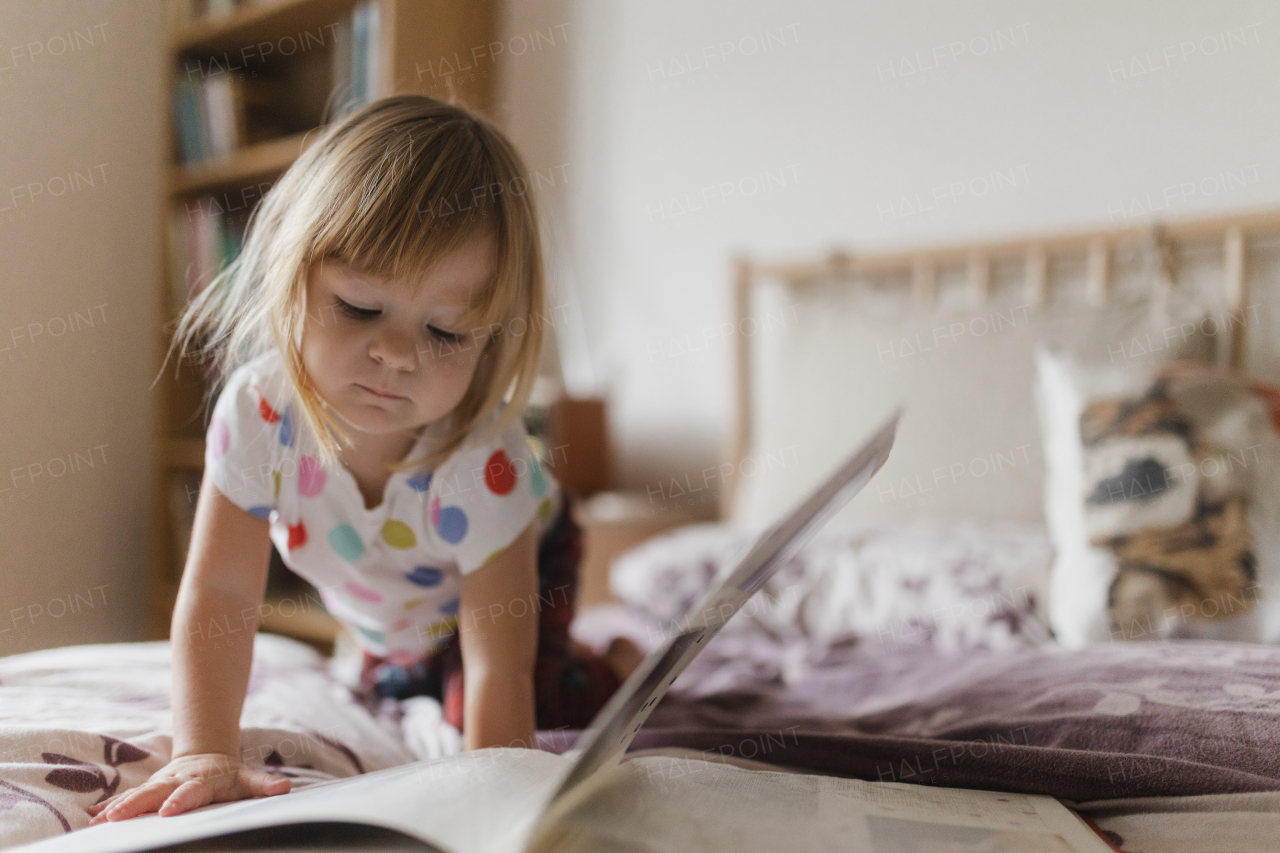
(394,209)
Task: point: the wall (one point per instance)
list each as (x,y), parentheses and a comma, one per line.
(691,131)
(80,96)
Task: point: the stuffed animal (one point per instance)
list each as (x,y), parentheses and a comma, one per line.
(1173,508)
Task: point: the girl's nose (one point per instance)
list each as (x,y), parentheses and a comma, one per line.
(394,350)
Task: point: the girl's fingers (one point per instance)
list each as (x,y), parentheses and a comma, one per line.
(171,797)
(138,801)
(109,801)
(191,794)
(260,784)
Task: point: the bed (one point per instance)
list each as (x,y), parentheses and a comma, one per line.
(909,641)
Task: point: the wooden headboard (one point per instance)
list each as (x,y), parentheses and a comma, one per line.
(920,268)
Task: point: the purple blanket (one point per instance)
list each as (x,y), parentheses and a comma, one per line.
(1120,720)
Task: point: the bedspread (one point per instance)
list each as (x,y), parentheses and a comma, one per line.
(1112,721)
(80,723)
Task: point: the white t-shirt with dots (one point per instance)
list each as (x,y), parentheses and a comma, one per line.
(391,573)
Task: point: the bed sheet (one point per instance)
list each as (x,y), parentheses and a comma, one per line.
(1169,747)
(1121,720)
(80,723)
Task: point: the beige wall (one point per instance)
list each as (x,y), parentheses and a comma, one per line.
(79,182)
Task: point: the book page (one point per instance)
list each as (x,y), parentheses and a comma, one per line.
(606,740)
(668,803)
(482,801)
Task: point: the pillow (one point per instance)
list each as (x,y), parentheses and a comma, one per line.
(947,585)
(1163,502)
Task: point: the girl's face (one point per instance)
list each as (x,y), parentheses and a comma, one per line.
(388,362)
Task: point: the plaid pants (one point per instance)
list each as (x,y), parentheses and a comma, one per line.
(568,688)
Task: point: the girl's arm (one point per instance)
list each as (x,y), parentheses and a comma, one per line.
(498,622)
(214,622)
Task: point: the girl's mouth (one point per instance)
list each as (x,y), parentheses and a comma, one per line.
(381,394)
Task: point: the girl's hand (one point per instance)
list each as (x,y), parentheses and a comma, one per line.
(189,782)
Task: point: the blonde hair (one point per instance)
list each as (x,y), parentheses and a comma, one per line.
(390,190)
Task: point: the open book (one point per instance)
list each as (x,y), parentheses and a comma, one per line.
(529,801)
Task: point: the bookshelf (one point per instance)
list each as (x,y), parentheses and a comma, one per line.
(252,82)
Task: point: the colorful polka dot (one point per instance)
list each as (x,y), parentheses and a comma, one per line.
(401,625)
(297,535)
(544,510)
(275,475)
(286,427)
(311,477)
(265,411)
(397,534)
(537,479)
(413,602)
(375,636)
(435,512)
(363,592)
(420,482)
(451,521)
(263,512)
(442,628)
(492,554)
(425,576)
(499,474)
(346,542)
(219,437)
(451,607)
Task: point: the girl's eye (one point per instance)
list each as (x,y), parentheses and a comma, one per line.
(447,337)
(357,313)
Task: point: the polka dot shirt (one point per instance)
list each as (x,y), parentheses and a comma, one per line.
(392,573)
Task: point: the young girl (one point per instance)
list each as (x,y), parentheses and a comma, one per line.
(381,331)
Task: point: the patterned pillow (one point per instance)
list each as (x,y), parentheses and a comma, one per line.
(1163,500)
(947,585)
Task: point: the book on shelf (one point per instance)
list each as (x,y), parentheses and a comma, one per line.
(357,56)
(191,11)
(209,114)
(221,106)
(206,234)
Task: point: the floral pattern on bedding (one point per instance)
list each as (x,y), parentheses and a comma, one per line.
(81,723)
(951,586)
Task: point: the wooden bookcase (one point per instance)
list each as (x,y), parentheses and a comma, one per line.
(420,43)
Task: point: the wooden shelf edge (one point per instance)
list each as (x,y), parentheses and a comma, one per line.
(265,158)
(253,21)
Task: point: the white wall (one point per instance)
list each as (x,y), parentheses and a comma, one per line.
(873,125)
(79,183)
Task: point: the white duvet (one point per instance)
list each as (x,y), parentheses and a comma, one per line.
(80,723)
